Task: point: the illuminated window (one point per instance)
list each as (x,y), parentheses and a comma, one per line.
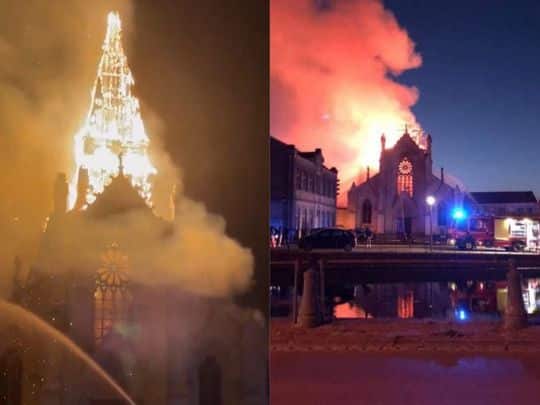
(405,177)
(366,212)
(405,304)
(112,297)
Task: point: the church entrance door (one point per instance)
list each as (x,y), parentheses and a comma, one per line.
(404,226)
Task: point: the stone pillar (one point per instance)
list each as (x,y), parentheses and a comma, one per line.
(309,315)
(326,314)
(515,316)
(295,292)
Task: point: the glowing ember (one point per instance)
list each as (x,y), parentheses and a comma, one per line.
(113,134)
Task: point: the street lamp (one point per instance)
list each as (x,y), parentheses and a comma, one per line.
(430,200)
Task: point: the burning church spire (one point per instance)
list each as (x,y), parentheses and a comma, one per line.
(113,133)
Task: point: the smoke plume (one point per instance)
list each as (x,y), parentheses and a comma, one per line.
(50,52)
(333,69)
(192,253)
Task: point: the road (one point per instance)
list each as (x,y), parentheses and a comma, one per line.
(319,378)
(397,248)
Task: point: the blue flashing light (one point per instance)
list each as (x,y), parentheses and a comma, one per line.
(458,214)
(462,315)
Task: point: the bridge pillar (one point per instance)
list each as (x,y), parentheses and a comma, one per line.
(295,291)
(309,315)
(515,316)
(326,314)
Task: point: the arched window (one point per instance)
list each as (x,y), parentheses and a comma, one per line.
(442,214)
(366,212)
(112,297)
(405,177)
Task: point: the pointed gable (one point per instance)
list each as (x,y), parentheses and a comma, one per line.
(118,197)
(406,143)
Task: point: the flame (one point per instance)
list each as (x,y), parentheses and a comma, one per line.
(370,151)
(113,134)
(361,132)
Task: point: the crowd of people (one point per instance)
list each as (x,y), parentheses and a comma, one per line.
(364,235)
(283,237)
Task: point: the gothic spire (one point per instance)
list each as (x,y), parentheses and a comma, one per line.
(114,125)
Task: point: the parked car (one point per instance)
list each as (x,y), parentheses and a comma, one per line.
(328,238)
(466,242)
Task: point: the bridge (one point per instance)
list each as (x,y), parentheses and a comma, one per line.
(338,271)
(379,266)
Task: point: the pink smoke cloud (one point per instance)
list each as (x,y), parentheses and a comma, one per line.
(333,82)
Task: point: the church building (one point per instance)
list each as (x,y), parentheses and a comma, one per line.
(161,344)
(394,202)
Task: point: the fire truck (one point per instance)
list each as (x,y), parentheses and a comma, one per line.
(513,234)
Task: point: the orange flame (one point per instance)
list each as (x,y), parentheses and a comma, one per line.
(113,134)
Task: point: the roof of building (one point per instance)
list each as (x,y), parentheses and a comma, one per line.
(504,197)
(279,143)
(118,196)
(310,155)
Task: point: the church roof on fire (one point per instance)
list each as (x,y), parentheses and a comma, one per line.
(119,196)
(405,142)
(119,214)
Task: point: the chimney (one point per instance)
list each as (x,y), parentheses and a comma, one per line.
(60,194)
(442,175)
(82,188)
(367,174)
(429,142)
(319,159)
(383,142)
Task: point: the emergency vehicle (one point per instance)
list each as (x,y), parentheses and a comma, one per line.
(515,234)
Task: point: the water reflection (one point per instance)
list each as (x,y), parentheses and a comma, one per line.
(459,300)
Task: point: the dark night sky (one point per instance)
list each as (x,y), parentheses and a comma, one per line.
(205,69)
(479,87)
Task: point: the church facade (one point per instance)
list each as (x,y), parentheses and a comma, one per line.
(393,203)
(161,344)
